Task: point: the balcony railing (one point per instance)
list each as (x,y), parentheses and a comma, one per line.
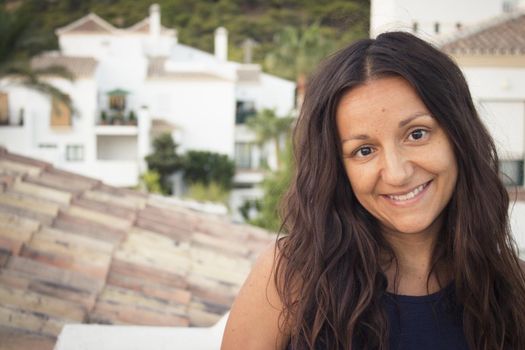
(112,117)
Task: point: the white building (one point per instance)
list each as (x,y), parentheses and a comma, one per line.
(486,38)
(432,19)
(131,85)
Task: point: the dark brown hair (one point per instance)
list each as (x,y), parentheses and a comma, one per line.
(328,272)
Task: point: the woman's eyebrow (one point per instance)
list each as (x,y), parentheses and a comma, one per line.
(412,117)
(402,123)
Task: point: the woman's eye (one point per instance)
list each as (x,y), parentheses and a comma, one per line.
(418,134)
(363,151)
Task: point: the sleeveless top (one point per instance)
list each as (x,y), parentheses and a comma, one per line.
(429,322)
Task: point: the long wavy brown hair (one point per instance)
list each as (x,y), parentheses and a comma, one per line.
(329,274)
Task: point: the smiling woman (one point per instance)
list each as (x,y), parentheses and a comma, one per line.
(401,165)
(396,221)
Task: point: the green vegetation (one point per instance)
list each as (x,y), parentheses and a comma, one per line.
(338,22)
(208,175)
(20,41)
(274,187)
(212,192)
(208,168)
(270,127)
(164,160)
(267,126)
(150,182)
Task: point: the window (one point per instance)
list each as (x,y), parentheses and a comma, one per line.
(243,155)
(74,153)
(245,109)
(436,27)
(459,26)
(60,113)
(117,102)
(47,146)
(509,6)
(511,172)
(4,109)
(415,27)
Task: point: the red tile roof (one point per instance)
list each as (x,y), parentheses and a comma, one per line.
(78,66)
(501,36)
(74,250)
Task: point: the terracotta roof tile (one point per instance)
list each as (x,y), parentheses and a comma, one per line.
(157,69)
(114,255)
(39,323)
(55,275)
(35,302)
(78,66)
(16,339)
(502,36)
(88,228)
(39,191)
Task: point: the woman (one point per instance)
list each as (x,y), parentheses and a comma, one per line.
(397,224)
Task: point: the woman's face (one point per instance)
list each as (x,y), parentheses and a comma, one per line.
(399,161)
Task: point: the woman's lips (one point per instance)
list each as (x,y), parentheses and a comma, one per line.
(408,197)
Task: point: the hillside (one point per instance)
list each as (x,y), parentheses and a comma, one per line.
(340,21)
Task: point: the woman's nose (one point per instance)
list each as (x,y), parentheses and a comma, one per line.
(397,168)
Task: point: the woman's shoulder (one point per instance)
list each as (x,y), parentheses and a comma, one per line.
(254,318)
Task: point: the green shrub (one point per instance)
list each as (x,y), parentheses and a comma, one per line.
(213,192)
(207,167)
(150,181)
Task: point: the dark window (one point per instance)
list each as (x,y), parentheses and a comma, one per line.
(415,27)
(509,6)
(511,172)
(436,27)
(117,102)
(245,110)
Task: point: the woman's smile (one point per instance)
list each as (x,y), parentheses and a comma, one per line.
(408,198)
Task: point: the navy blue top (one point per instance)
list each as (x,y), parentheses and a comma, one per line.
(430,322)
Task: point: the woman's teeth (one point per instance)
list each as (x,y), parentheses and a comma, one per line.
(408,195)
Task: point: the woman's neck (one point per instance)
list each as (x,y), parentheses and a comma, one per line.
(413,252)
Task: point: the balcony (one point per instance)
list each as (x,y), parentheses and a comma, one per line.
(117,123)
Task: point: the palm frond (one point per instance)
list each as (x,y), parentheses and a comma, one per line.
(55,70)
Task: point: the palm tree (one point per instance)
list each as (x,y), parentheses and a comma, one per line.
(18,45)
(297,52)
(267,126)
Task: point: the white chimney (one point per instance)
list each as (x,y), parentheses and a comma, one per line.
(154,20)
(221,43)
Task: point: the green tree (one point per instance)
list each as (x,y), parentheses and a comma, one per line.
(268,126)
(208,167)
(164,160)
(19,43)
(298,50)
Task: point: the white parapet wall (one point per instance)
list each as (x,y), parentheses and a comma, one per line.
(108,337)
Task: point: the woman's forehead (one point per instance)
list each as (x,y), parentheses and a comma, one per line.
(381,100)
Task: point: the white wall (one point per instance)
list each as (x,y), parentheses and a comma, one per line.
(38,130)
(517,221)
(112,337)
(499,94)
(387,15)
(272,92)
(113,147)
(204,110)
